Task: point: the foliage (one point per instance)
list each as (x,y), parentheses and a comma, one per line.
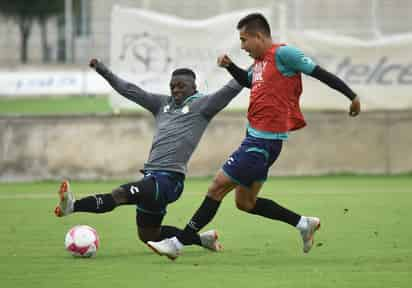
(26,12)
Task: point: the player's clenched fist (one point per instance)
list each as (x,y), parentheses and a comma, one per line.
(93,62)
(355,107)
(223,60)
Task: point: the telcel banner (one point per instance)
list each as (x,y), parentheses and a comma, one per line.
(146,47)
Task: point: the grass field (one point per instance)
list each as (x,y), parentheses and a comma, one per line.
(365,239)
(56,105)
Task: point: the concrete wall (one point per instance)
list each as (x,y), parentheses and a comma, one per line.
(106,146)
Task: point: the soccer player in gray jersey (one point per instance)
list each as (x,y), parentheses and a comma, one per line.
(181,120)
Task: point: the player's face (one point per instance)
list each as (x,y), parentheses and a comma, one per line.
(181,87)
(251,43)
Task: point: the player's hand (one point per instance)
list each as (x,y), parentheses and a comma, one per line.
(224,61)
(93,63)
(355,107)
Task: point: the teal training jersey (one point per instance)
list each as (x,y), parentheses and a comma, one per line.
(290,61)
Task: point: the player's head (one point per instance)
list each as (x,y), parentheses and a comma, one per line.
(254,33)
(182,84)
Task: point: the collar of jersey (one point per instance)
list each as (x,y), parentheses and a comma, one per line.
(191,98)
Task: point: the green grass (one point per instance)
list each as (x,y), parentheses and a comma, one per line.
(66,105)
(365,239)
(58,105)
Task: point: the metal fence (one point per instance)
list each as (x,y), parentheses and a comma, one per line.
(82,30)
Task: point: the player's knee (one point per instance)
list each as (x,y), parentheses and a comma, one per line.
(245,205)
(120,196)
(215,193)
(217,190)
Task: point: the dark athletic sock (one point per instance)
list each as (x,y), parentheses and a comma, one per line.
(171,231)
(270,209)
(200,219)
(99,203)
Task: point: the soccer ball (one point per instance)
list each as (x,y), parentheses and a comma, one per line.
(82,241)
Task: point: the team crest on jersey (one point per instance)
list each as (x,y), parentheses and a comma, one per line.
(185,109)
(307,60)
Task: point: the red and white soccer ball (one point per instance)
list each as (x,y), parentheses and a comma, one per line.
(82,241)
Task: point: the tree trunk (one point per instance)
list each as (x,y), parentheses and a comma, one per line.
(44,42)
(25,29)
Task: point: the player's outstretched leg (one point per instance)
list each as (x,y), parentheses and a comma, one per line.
(66,200)
(308,226)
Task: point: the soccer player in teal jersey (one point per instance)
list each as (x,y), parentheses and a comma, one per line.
(274,111)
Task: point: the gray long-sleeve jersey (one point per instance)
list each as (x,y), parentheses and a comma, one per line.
(178,128)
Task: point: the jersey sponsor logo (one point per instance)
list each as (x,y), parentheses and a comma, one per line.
(258,71)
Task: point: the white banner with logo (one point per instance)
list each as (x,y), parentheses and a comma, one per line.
(146,47)
(380,71)
(35,83)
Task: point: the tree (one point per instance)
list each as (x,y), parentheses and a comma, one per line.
(54,7)
(25,13)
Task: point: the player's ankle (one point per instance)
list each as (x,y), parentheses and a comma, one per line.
(302,224)
(179,245)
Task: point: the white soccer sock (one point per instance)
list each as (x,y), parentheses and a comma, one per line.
(302,224)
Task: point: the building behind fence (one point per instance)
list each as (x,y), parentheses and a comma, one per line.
(82,30)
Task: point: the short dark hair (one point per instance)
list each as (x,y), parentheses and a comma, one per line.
(184,71)
(254,22)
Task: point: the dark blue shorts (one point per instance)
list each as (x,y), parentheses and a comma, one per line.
(168,184)
(158,189)
(252,160)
